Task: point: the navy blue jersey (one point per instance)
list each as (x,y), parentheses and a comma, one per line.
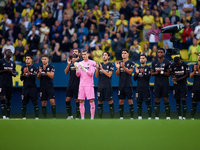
(143,78)
(125,79)
(5,77)
(74,80)
(29,80)
(196,82)
(161,79)
(180,71)
(45,81)
(105,81)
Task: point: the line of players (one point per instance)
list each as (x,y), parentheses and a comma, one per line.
(81,87)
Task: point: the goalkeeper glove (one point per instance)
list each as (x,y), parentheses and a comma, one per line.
(83,68)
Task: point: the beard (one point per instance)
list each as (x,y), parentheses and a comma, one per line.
(75,56)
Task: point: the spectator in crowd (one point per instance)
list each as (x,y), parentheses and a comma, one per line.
(37,57)
(59,13)
(56,39)
(153,34)
(37,10)
(55,28)
(165,10)
(90,19)
(69,10)
(74,39)
(1,48)
(65,46)
(68,30)
(9,9)
(16,20)
(189,40)
(46,40)
(176,9)
(195,20)
(136,21)
(20,37)
(179,43)
(50,21)
(153,54)
(197,30)
(28,11)
(102,25)
(171,3)
(95,41)
(115,12)
(103,3)
(132,35)
(135,51)
(167,36)
(25,26)
(97,54)
(82,31)
(44,30)
(97,13)
(106,44)
(79,19)
(45,12)
(8,46)
(19,6)
(11,33)
(6,24)
(147,22)
(106,11)
(83,42)
(188,7)
(119,44)
(85,10)
(91,3)
(111,29)
(194,51)
(46,51)
(56,54)
(122,25)
(138,9)
(145,8)
(186,34)
(146,51)
(173,18)
(33,41)
(38,21)
(125,10)
(92,32)
(19,52)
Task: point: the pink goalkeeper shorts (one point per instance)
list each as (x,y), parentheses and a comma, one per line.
(86,92)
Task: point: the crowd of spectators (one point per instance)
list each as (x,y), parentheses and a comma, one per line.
(56,27)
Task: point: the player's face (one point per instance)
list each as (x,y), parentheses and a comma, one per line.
(105,57)
(161,53)
(75,53)
(9,53)
(143,59)
(124,55)
(85,55)
(28,60)
(45,60)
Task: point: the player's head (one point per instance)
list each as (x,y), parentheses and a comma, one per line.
(85,55)
(161,52)
(76,53)
(125,54)
(29,59)
(45,59)
(177,61)
(106,56)
(143,59)
(8,53)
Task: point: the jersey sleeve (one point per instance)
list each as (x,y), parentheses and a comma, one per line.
(171,68)
(111,68)
(92,69)
(167,66)
(52,69)
(187,69)
(147,73)
(14,68)
(153,66)
(132,64)
(21,75)
(192,69)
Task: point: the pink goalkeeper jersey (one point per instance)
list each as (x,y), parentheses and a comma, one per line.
(86,79)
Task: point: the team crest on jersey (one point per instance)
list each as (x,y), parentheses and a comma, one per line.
(163,65)
(88,64)
(182,68)
(107,67)
(145,70)
(11,65)
(127,65)
(31,69)
(47,69)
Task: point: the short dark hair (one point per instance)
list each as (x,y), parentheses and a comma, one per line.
(28,55)
(107,53)
(176,59)
(161,49)
(77,49)
(84,51)
(45,56)
(125,50)
(143,55)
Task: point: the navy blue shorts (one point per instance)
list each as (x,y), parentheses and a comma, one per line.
(6,92)
(180,91)
(47,93)
(29,93)
(105,94)
(126,92)
(161,91)
(143,96)
(72,91)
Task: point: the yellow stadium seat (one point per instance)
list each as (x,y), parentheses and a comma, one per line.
(172,56)
(184,54)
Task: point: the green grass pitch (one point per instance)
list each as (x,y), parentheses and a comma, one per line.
(104,134)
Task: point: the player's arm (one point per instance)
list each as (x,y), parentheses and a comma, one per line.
(153,71)
(193,71)
(51,73)
(97,70)
(92,70)
(68,66)
(167,73)
(118,68)
(39,73)
(135,77)
(13,72)
(129,71)
(22,75)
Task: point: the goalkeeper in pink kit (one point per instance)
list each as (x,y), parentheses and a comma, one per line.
(85,70)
